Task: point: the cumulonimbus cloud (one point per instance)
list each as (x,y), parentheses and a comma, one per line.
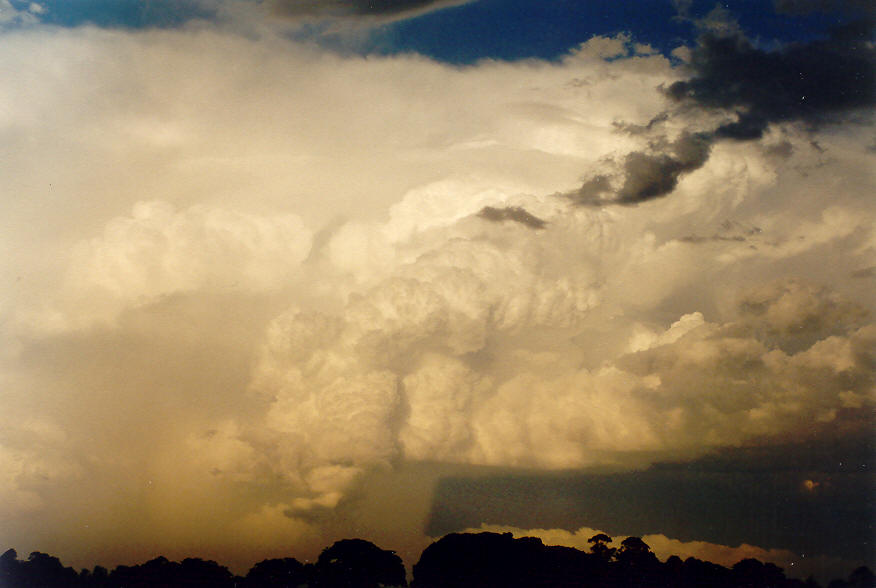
(816,83)
(202,338)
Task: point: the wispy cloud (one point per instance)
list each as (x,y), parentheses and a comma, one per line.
(376,10)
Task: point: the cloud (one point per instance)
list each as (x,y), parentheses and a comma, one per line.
(816,82)
(158,251)
(662,546)
(645,175)
(650,176)
(202,363)
(411,348)
(721,498)
(807,6)
(10,16)
(372,9)
(794,565)
(512,213)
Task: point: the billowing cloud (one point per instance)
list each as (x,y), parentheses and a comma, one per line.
(244,284)
(158,252)
(815,83)
(439,357)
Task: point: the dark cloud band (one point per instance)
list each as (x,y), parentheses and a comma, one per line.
(512,213)
(359,8)
(648,175)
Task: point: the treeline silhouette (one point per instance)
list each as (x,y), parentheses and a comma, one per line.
(458,560)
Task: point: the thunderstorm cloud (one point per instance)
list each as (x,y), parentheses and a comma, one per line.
(256,291)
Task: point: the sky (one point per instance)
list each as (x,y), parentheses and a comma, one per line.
(281,272)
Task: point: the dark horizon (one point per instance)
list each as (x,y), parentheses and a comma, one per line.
(474,560)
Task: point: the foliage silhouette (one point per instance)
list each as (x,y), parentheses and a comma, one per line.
(356,563)
(277,573)
(861,578)
(460,560)
(493,560)
(600,547)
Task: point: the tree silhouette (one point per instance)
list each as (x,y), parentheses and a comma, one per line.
(752,573)
(277,573)
(42,569)
(861,578)
(467,561)
(458,560)
(191,573)
(196,572)
(600,547)
(97,578)
(356,563)
(491,560)
(635,553)
(10,570)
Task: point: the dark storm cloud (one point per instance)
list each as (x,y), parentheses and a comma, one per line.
(359,8)
(867,272)
(634,129)
(512,213)
(844,445)
(593,190)
(649,175)
(729,231)
(811,496)
(797,7)
(816,83)
(820,82)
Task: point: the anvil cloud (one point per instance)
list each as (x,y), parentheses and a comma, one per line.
(244,276)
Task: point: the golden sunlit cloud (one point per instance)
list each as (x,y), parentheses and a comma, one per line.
(244,275)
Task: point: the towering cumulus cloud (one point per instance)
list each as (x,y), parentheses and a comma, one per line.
(816,83)
(250,285)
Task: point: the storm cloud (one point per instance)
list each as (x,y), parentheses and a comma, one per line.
(815,83)
(818,82)
(378,9)
(198,356)
(645,175)
(808,6)
(650,176)
(516,214)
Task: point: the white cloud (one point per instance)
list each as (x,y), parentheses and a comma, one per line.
(246,268)
(15,17)
(158,251)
